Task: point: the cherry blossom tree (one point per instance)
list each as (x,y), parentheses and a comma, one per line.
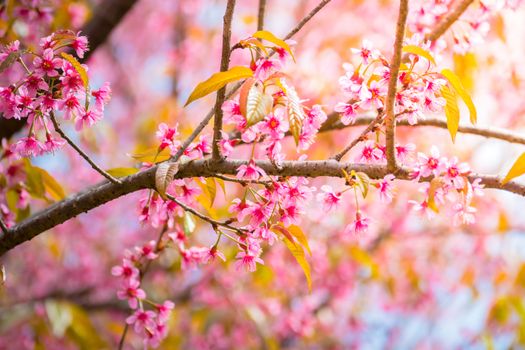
(261,174)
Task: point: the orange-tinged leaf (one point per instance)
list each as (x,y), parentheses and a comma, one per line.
(218,81)
(301,237)
(78,67)
(298,253)
(462,92)
(416,50)
(518,169)
(451,111)
(294,109)
(254,103)
(268,36)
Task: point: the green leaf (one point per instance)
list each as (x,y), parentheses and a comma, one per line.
(122,172)
(301,237)
(518,169)
(78,67)
(268,36)
(462,92)
(298,253)
(218,81)
(451,111)
(416,50)
(189,223)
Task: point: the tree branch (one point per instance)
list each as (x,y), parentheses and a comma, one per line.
(390,121)
(80,152)
(373,123)
(64,210)
(225,62)
(452,17)
(494,133)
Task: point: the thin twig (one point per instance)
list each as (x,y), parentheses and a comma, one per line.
(390,121)
(3,226)
(377,120)
(225,62)
(488,132)
(260,14)
(143,272)
(306,19)
(80,152)
(213,222)
(452,17)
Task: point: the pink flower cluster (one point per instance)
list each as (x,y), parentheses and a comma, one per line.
(50,84)
(150,324)
(366,86)
(450,184)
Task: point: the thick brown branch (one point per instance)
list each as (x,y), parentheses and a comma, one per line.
(390,121)
(225,62)
(452,17)
(94,197)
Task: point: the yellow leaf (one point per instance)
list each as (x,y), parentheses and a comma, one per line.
(451,111)
(503,222)
(223,186)
(268,36)
(298,253)
(78,67)
(122,172)
(51,186)
(152,155)
(301,237)
(363,258)
(416,50)
(218,81)
(434,185)
(460,90)
(517,169)
(211,188)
